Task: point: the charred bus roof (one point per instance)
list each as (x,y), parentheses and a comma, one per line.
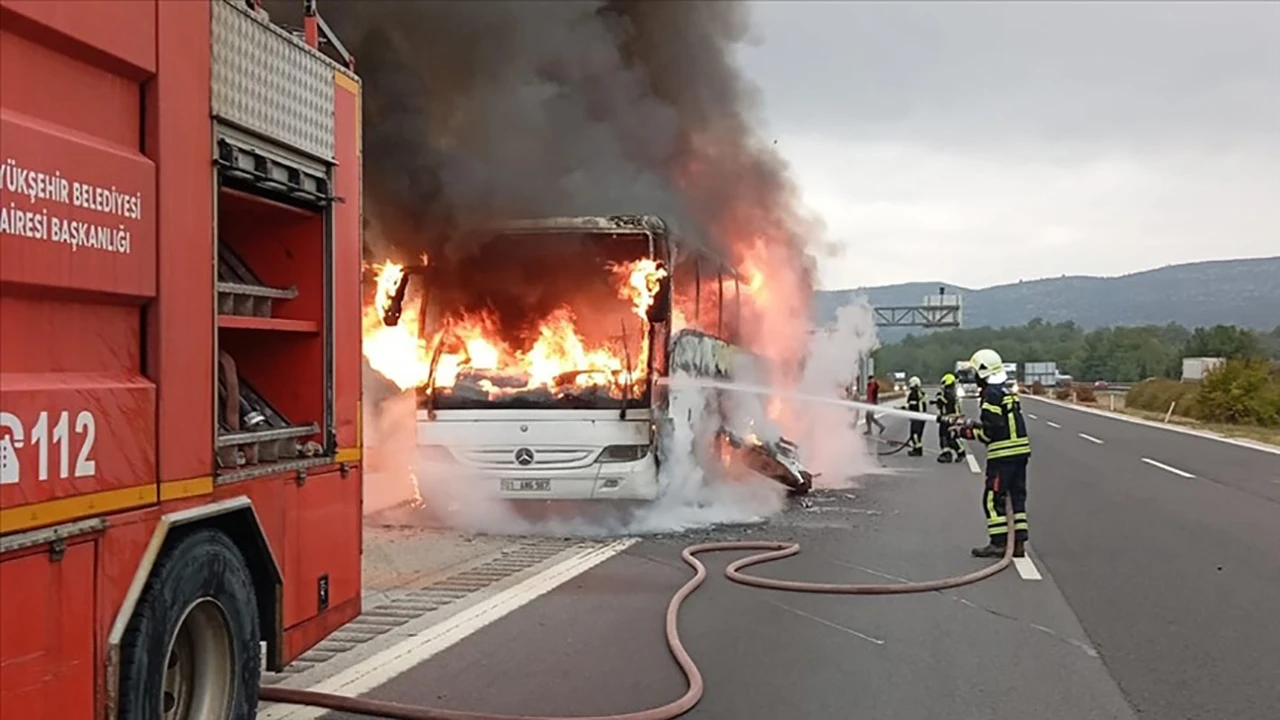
(582,224)
(602,224)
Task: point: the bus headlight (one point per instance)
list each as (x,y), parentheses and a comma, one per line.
(623,453)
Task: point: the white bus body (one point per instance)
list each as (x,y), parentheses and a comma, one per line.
(545,454)
(542,452)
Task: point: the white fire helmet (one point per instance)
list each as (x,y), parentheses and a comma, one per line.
(986,362)
(913,382)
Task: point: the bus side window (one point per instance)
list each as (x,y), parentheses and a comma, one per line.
(732,310)
(685,291)
(709,307)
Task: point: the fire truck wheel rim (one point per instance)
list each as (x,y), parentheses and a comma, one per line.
(200,667)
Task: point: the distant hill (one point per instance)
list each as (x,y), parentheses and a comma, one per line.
(1230,292)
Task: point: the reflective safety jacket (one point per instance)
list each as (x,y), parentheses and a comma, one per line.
(1002,428)
(915,400)
(946,400)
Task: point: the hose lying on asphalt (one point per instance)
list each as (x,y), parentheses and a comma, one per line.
(772,551)
(898,446)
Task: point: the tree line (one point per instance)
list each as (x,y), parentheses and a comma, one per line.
(1114,354)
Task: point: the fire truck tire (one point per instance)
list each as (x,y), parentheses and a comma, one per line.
(191,650)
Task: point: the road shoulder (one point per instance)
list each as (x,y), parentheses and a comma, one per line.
(1240,442)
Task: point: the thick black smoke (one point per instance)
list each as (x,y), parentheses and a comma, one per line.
(478,111)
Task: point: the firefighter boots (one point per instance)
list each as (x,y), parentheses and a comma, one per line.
(994,551)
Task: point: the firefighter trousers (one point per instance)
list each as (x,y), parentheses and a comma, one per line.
(949,444)
(1006,476)
(916,441)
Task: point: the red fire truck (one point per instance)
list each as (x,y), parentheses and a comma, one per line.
(180,478)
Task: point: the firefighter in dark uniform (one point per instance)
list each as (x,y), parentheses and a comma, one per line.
(916,403)
(1001,428)
(949,407)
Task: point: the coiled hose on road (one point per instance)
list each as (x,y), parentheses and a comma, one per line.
(772,551)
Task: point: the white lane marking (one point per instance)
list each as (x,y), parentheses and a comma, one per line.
(973,464)
(1162,466)
(1052,424)
(1033,417)
(387,664)
(1251,444)
(1027,570)
(828,623)
(1091,439)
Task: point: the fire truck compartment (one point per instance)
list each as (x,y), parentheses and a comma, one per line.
(179,326)
(48,633)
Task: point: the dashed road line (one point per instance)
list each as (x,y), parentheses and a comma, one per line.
(1091,439)
(973,464)
(1250,444)
(1162,466)
(1027,569)
(1052,424)
(828,623)
(1033,417)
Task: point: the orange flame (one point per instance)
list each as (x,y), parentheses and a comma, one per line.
(640,283)
(558,357)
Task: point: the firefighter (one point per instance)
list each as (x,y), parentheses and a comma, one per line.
(948,407)
(1001,428)
(916,403)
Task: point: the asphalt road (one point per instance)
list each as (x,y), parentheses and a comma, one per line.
(1160,598)
(1176,579)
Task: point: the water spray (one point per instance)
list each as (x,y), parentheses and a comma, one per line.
(689,382)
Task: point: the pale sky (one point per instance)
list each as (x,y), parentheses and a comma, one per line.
(1053,138)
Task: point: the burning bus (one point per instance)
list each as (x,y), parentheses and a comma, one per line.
(533,348)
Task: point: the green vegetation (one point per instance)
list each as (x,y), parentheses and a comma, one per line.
(1244,391)
(1119,354)
(1239,392)
(1157,394)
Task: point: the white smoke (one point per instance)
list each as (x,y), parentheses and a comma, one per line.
(828,434)
(695,491)
(746,413)
(390,445)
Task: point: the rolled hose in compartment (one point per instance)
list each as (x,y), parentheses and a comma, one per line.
(771,551)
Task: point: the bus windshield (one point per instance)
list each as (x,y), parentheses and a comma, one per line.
(541,320)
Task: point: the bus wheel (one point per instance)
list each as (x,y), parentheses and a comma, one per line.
(191,648)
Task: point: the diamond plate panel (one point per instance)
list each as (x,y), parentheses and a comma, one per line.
(269,82)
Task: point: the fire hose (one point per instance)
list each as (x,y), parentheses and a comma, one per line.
(770,552)
(898,446)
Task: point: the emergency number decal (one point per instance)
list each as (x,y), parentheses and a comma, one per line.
(54,437)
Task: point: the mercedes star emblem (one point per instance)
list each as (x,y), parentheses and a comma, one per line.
(524,456)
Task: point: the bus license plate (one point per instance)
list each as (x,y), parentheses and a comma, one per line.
(526,485)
